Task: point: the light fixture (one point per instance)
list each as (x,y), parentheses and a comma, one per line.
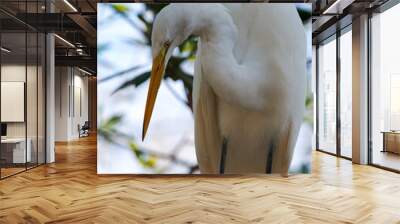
(326,11)
(65,41)
(84,71)
(79,51)
(70,5)
(5,50)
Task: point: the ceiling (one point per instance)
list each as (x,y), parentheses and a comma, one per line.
(332,15)
(75,21)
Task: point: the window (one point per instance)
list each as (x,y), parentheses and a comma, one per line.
(346,93)
(327,96)
(385,89)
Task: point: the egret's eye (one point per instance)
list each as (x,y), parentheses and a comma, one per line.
(166,44)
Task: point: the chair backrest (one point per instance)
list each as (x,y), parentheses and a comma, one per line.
(86,125)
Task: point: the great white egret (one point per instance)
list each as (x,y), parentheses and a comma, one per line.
(249,81)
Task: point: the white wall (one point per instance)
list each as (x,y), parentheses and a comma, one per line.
(17,73)
(33,126)
(62,81)
(71,94)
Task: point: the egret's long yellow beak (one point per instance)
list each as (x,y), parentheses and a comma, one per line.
(157,71)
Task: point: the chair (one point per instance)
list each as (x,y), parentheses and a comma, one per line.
(84,130)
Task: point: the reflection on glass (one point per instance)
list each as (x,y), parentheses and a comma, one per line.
(346,94)
(31,100)
(13,85)
(386,88)
(327,96)
(41,98)
(22,91)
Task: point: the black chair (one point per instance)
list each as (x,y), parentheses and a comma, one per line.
(84,130)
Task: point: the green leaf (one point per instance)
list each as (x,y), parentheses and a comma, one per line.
(187,46)
(114,120)
(148,161)
(192,57)
(138,80)
(309,101)
(155,7)
(107,128)
(187,79)
(120,8)
(151,161)
(141,18)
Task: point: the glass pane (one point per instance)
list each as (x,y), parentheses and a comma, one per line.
(31,97)
(346,94)
(327,96)
(386,89)
(22,88)
(41,90)
(13,86)
(32,88)
(41,98)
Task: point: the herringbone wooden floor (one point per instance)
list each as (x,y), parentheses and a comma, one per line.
(70,191)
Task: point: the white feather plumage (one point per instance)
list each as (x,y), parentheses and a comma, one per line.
(249,81)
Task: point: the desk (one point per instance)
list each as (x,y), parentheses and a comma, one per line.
(391,141)
(17,148)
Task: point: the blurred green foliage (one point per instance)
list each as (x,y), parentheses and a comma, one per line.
(147,160)
(174,69)
(308,116)
(139,74)
(107,127)
(304,13)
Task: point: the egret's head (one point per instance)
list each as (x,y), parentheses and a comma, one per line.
(170,29)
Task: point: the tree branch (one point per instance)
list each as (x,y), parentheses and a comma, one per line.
(123,72)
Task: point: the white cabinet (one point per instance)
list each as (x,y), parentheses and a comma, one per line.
(18,149)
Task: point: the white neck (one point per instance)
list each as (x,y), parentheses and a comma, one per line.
(219,67)
(217,32)
(215,27)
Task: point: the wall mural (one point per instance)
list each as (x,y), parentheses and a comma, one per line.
(204,88)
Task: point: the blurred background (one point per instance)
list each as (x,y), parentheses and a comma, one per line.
(124,64)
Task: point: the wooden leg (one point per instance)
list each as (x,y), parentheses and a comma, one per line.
(223,156)
(270,155)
